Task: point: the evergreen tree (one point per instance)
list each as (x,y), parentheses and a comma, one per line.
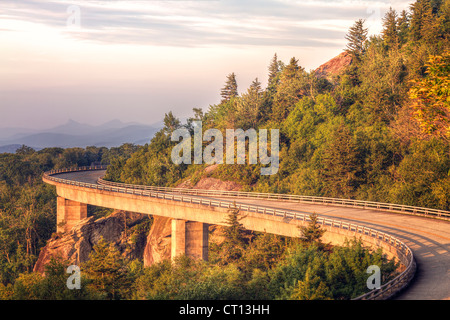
(419,11)
(357,39)
(390,31)
(291,69)
(313,232)
(248,106)
(235,238)
(171,123)
(107,271)
(445,16)
(424,24)
(403,27)
(293,85)
(256,86)
(311,288)
(265,108)
(274,69)
(198,116)
(230,89)
(341,164)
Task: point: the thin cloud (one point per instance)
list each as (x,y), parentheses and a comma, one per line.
(195,23)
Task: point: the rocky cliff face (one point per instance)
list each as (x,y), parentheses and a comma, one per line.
(334,66)
(76,244)
(158,245)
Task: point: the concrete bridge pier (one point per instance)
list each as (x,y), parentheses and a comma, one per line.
(68,213)
(189,238)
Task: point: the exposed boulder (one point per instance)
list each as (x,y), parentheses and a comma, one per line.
(158,246)
(335,66)
(76,244)
(209,183)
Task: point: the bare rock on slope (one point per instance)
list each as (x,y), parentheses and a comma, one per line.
(158,246)
(335,66)
(209,183)
(76,244)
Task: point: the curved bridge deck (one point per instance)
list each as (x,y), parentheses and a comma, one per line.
(428,238)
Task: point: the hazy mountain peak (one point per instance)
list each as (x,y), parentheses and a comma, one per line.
(71,127)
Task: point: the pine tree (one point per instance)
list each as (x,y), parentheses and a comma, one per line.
(255,86)
(248,106)
(274,69)
(312,232)
(292,86)
(106,268)
(171,123)
(357,39)
(311,288)
(291,69)
(341,164)
(424,24)
(403,27)
(235,238)
(230,89)
(390,31)
(419,10)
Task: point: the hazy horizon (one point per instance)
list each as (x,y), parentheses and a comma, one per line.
(96,61)
(94,123)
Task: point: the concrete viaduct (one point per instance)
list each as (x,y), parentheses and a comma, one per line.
(418,237)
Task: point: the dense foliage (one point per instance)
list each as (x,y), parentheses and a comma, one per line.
(28,206)
(377,131)
(243,265)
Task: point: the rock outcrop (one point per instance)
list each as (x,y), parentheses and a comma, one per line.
(76,244)
(209,183)
(335,66)
(158,246)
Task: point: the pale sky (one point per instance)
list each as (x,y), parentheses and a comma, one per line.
(94,61)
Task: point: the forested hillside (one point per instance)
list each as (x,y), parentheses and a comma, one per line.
(243,265)
(377,130)
(28,206)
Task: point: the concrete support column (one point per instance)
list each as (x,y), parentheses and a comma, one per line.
(68,213)
(189,238)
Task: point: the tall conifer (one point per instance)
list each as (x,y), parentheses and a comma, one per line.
(390,31)
(357,39)
(273,70)
(230,89)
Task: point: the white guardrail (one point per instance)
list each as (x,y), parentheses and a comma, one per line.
(398,208)
(179,194)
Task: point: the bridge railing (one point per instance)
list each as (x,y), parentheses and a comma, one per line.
(398,208)
(387,290)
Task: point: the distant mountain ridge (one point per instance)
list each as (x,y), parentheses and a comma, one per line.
(10,148)
(115,132)
(74,134)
